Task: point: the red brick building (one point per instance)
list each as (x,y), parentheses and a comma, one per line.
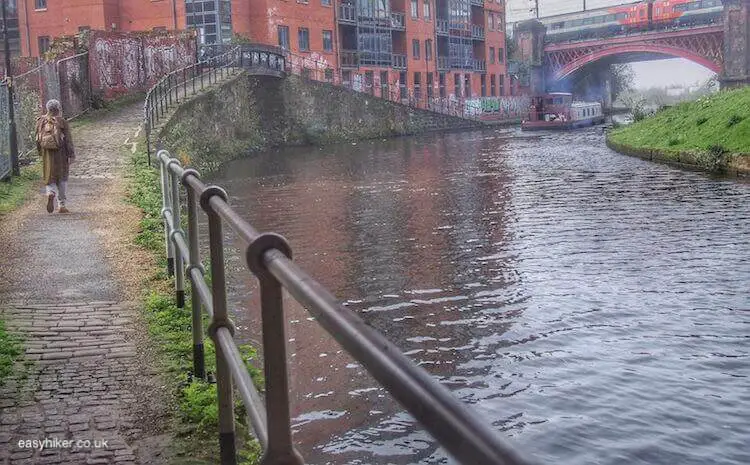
(406,48)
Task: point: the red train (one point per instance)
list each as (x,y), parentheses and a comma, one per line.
(638,16)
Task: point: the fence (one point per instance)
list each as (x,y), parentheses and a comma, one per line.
(183,82)
(268,257)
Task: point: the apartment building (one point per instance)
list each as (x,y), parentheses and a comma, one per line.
(403,48)
(11,21)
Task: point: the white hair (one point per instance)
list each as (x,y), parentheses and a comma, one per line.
(54,105)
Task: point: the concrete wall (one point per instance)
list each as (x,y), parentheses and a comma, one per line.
(253,113)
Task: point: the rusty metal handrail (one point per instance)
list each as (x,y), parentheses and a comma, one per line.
(268,257)
(168,89)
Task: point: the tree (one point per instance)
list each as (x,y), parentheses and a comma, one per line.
(622,77)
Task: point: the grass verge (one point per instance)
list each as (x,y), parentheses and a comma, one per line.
(14,193)
(10,351)
(195,401)
(712,130)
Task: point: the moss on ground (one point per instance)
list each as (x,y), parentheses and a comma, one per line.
(10,351)
(711,129)
(194,400)
(14,193)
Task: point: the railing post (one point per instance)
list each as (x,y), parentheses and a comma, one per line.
(280,450)
(199,365)
(220,320)
(179,269)
(169,90)
(184,83)
(166,208)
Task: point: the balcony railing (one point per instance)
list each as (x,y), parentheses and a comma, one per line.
(480,65)
(441,27)
(442,64)
(349,58)
(477,32)
(477,2)
(399,61)
(347,13)
(462,63)
(398,21)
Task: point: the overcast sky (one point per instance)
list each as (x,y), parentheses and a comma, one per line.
(648,74)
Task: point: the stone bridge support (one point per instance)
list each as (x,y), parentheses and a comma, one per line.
(529,36)
(736,71)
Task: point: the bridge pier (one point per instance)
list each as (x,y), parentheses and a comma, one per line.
(736,72)
(530,43)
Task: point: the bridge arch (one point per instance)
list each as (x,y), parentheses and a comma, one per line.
(658,49)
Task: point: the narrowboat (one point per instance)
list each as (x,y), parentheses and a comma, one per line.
(557,110)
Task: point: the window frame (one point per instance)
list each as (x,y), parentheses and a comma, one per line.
(328,49)
(303,32)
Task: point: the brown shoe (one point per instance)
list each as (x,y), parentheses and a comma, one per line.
(63,210)
(50,202)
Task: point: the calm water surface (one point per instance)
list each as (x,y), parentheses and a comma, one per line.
(592,307)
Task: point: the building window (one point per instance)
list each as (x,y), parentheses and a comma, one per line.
(415,9)
(483,82)
(415,48)
(40,4)
(441,85)
(346,78)
(502,85)
(43,44)
(328,41)
(500,55)
(492,55)
(283,32)
(467,85)
(417,85)
(457,85)
(325,2)
(329,74)
(384,84)
(492,85)
(402,85)
(428,49)
(370,82)
(491,21)
(303,36)
(426,11)
(430,84)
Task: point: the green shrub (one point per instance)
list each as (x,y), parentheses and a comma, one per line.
(734,119)
(673,141)
(700,121)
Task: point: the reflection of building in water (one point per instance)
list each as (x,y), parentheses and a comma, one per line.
(384,227)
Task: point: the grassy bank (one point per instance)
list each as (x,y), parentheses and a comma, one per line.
(14,193)
(712,132)
(195,401)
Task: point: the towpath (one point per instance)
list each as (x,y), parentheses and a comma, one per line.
(69,285)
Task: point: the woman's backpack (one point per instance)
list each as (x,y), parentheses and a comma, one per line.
(50,137)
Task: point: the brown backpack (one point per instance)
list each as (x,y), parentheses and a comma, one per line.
(50,137)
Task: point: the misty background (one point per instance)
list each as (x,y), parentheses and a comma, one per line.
(662,73)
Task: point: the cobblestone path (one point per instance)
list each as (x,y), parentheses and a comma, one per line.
(86,385)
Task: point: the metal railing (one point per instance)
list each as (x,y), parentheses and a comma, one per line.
(477,32)
(442,64)
(184,82)
(349,58)
(441,27)
(347,13)
(268,257)
(399,61)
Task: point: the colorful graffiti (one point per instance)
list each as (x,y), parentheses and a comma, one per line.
(500,108)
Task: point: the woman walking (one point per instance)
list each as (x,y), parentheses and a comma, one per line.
(55,146)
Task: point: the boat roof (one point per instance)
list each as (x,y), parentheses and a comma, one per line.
(558,93)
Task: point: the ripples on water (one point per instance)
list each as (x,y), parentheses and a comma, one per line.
(592,307)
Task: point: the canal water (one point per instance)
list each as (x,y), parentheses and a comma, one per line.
(592,307)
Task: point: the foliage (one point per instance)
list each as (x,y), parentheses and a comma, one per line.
(197,411)
(239,39)
(10,351)
(622,77)
(14,192)
(712,141)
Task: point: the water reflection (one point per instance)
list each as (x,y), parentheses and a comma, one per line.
(591,306)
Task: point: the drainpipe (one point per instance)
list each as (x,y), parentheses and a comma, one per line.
(28,31)
(174,13)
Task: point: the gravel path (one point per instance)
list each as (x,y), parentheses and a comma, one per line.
(69,284)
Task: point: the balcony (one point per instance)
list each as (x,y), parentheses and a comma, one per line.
(477,3)
(442,64)
(348,58)
(477,32)
(347,13)
(441,27)
(399,61)
(461,63)
(373,58)
(398,21)
(480,65)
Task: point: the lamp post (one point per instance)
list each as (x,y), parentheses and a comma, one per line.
(11,109)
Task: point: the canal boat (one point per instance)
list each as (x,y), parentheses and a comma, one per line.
(557,110)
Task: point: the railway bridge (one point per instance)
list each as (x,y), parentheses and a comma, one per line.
(722,47)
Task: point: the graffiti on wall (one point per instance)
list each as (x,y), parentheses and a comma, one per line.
(121,62)
(496,107)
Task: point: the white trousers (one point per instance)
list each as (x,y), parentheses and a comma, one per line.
(60,189)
